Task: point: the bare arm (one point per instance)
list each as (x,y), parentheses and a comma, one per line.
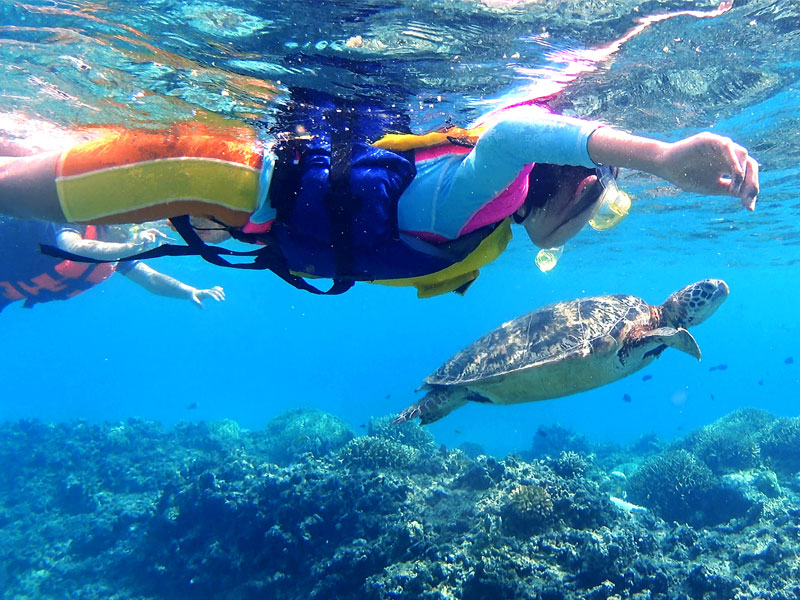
(164,285)
(705,163)
(72,241)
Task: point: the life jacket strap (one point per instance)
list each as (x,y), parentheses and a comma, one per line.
(267,257)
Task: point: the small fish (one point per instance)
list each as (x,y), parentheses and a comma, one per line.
(646,377)
(388,396)
(456,431)
(191,406)
(626,398)
(788,360)
(760,382)
(722,367)
(712,397)
(363,426)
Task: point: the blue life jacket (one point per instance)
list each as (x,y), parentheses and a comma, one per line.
(343,225)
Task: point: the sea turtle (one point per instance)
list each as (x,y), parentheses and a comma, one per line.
(566,348)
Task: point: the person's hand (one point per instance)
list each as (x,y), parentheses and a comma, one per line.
(215,293)
(147,239)
(707,163)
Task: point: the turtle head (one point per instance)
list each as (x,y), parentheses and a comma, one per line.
(694,304)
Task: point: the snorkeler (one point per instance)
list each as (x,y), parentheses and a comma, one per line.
(29,276)
(334,196)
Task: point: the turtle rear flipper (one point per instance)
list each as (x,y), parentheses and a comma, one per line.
(680,339)
(437,403)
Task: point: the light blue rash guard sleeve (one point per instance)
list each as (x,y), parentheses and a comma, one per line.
(448,191)
(527,135)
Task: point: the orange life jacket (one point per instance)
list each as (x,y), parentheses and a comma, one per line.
(61,281)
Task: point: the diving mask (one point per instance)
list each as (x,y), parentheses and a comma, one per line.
(613,204)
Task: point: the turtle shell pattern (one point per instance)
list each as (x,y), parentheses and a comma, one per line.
(547,335)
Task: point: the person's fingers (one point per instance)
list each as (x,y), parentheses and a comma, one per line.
(219,293)
(216,293)
(735,156)
(152,236)
(750,188)
(720,187)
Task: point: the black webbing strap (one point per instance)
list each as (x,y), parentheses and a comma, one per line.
(266,257)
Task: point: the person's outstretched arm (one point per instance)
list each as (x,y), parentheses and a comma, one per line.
(442,199)
(164,285)
(72,241)
(705,163)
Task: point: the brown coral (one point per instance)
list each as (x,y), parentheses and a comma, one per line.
(529,509)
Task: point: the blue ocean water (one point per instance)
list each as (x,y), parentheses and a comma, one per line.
(123,472)
(116,352)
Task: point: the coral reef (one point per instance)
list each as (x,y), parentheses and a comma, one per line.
(529,508)
(731,443)
(780,444)
(679,487)
(551,440)
(303,509)
(295,433)
(570,464)
(673,484)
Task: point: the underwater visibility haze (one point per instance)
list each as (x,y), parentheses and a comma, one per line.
(153,450)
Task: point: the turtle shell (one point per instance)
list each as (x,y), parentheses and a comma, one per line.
(547,335)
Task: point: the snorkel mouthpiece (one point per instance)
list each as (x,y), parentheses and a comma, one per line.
(613,205)
(547,258)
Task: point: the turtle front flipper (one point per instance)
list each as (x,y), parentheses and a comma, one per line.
(679,338)
(437,403)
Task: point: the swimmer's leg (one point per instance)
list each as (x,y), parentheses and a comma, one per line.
(28,187)
(132,177)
